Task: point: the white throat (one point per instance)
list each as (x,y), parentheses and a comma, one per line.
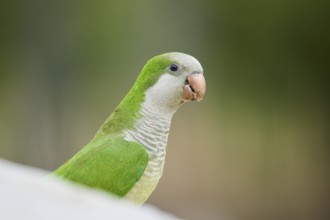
(152,132)
(152,129)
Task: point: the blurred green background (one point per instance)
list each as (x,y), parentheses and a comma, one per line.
(257,146)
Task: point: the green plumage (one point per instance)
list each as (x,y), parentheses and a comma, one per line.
(128,110)
(109,163)
(114,160)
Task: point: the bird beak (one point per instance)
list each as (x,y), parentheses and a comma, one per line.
(194,87)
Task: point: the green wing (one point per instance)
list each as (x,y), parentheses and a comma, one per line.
(109,163)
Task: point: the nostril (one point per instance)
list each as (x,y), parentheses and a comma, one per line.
(197,72)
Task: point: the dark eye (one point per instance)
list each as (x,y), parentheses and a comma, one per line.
(174,67)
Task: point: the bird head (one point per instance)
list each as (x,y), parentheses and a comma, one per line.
(173,79)
(164,84)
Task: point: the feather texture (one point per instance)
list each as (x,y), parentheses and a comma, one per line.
(109,163)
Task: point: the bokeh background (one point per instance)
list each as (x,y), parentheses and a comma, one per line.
(257,146)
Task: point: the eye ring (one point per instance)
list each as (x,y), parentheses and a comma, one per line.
(174,67)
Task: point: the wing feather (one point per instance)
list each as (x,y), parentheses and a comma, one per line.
(110,163)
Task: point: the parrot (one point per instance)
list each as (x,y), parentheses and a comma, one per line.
(127,154)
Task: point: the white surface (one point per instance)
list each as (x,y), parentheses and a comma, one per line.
(25,193)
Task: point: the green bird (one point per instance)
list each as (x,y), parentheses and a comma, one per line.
(126,156)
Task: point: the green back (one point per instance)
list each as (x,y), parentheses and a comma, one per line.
(109,163)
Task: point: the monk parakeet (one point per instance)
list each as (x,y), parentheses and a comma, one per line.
(126,156)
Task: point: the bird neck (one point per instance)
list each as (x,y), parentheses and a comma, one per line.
(151,130)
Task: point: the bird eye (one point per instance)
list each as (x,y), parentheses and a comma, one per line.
(174,67)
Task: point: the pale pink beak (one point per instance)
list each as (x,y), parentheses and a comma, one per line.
(194,88)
